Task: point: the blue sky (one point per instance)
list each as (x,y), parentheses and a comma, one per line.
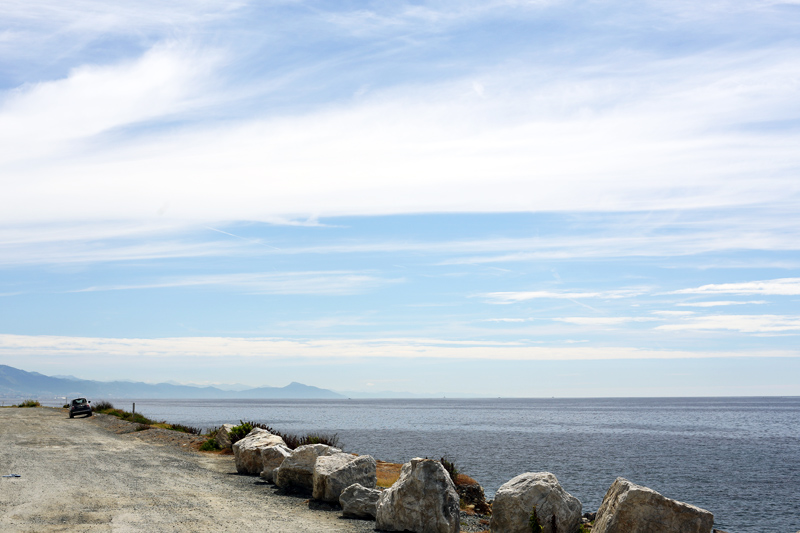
(506,198)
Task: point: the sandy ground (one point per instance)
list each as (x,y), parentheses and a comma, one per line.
(96,474)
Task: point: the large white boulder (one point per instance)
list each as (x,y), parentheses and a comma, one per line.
(334,473)
(556,510)
(247,451)
(423,500)
(271,459)
(359,502)
(223,437)
(630,508)
(296,472)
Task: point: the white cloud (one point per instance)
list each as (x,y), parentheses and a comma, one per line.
(38,119)
(603,320)
(322,282)
(722,303)
(336,349)
(673,313)
(505,320)
(539,141)
(521,296)
(741,323)
(772,287)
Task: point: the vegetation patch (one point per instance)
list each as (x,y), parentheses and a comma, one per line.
(292,441)
(210,445)
(533,522)
(107,408)
(30,403)
(388,473)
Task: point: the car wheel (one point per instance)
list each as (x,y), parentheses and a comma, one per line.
(71,415)
(90,413)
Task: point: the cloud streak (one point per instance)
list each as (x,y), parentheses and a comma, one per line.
(333,349)
(772,287)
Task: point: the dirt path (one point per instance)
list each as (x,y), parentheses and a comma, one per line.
(79,475)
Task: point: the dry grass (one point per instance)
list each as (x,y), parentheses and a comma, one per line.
(388,473)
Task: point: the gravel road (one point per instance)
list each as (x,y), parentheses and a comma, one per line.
(81,475)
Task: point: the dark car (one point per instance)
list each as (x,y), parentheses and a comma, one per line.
(80,406)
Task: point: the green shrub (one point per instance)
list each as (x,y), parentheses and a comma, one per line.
(450,467)
(30,403)
(585,528)
(210,445)
(239,432)
(186,429)
(533,522)
(65,406)
(102,405)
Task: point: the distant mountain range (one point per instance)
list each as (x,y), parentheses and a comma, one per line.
(16,383)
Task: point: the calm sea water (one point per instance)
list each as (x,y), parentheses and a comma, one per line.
(736,457)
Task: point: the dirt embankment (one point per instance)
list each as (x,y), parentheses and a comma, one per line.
(97,474)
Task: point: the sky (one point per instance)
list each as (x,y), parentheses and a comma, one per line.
(500,198)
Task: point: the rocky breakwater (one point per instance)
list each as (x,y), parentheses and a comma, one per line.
(535,501)
(630,508)
(334,473)
(247,451)
(296,473)
(423,500)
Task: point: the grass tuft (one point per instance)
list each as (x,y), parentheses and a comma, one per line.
(30,403)
(210,445)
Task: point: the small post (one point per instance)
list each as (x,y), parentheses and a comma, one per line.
(134,410)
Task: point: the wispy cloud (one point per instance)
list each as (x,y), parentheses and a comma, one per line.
(322,282)
(742,323)
(722,303)
(603,320)
(773,287)
(511,297)
(347,349)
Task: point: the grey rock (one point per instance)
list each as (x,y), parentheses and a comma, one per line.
(271,459)
(358,501)
(423,500)
(223,437)
(296,472)
(556,509)
(334,473)
(630,508)
(247,451)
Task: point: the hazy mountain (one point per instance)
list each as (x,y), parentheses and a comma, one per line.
(16,383)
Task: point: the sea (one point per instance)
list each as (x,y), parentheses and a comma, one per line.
(736,457)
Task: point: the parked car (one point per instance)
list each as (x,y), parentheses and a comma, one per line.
(80,406)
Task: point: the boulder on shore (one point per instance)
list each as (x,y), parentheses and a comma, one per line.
(247,451)
(223,437)
(296,472)
(358,501)
(271,459)
(630,508)
(556,510)
(334,473)
(423,500)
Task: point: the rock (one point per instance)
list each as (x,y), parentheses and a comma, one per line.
(297,471)
(271,459)
(630,508)
(334,473)
(471,493)
(358,501)
(557,510)
(423,500)
(223,437)
(247,451)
